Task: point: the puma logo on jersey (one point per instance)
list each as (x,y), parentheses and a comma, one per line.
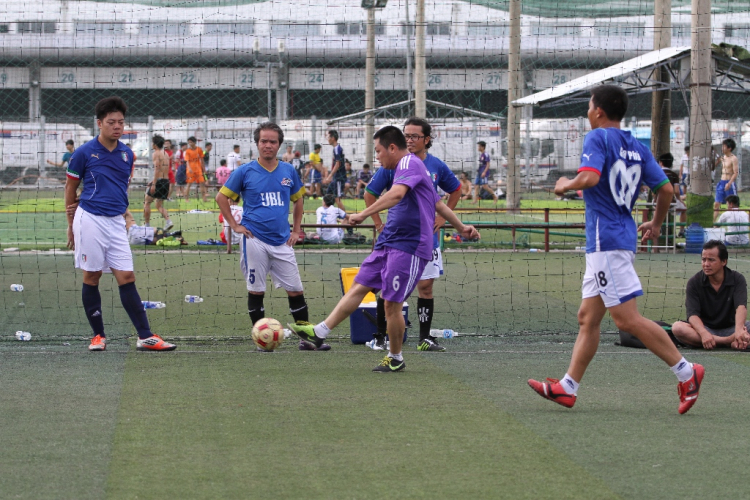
(588,157)
(271,199)
(94,156)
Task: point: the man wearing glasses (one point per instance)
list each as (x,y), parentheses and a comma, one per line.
(418,140)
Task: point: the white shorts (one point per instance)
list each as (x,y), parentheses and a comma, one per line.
(611,275)
(434,268)
(258,259)
(101,242)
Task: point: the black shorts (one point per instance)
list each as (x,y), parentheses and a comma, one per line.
(160,191)
(336,188)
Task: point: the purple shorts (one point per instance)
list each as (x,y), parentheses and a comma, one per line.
(394,272)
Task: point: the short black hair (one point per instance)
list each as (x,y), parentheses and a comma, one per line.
(158,141)
(70,142)
(110,105)
(208,144)
(223,162)
(390,135)
(329,199)
(183,144)
(334,134)
(317,146)
(687,148)
(366,165)
(613,100)
(667,160)
(482,143)
(723,254)
(426,129)
(733,199)
(729,143)
(192,139)
(268,126)
(235,146)
(347,160)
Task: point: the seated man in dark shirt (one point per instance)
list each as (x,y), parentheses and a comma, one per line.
(716,304)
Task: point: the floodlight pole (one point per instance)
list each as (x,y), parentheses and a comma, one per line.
(370,86)
(515,91)
(661,106)
(409,74)
(700,99)
(420,92)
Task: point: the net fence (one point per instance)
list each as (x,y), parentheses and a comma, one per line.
(214,70)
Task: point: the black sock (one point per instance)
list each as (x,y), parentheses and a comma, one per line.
(255,307)
(298,308)
(382,323)
(131,301)
(92,304)
(424,312)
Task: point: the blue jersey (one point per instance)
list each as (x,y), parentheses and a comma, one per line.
(338,156)
(105,175)
(440,174)
(266,198)
(623,164)
(410,222)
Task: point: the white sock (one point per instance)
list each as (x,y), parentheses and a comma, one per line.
(321,330)
(569,385)
(397,357)
(683,370)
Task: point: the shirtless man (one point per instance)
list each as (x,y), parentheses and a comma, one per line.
(465,186)
(729,170)
(158,189)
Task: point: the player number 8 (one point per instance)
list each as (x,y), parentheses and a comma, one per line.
(602,278)
(395,284)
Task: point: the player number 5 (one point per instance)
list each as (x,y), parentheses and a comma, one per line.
(396,284)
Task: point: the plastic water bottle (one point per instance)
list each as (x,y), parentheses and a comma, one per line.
(446,333)
(147,304)
(287,333)
(24,336)
(16,288)
(694,238)
(193,299)
(533,249)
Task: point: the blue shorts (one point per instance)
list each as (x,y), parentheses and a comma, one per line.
(480,181)
(315,177)
(722,193)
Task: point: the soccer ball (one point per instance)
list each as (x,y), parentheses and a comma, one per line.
(268,334)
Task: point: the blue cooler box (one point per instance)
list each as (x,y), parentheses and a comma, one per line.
(362,329)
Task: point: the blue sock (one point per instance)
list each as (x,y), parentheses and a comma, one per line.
(92,304)
(131,301)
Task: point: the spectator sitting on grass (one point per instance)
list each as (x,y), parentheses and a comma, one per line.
(716,304)
(735,216)
(330,214)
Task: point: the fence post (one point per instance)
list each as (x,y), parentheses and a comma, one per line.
(546,230)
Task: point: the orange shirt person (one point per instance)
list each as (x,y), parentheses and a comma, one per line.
(194,160)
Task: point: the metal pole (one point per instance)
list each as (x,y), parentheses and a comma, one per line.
(661,108)
(527,158)
(370,86)
(738,153)
(313,131)
(150,136)
(409,75)
(269,105)
(42,144)
(515,89)
(700,99)
(420,83)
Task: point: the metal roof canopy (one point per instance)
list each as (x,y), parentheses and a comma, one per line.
(636,76)
(386,112)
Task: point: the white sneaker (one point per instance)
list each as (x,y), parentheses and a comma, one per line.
(168,224)
(373,344)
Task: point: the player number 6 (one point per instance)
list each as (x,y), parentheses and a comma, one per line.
(395,284)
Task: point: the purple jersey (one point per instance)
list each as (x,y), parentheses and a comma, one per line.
(484,160)
(410,222)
